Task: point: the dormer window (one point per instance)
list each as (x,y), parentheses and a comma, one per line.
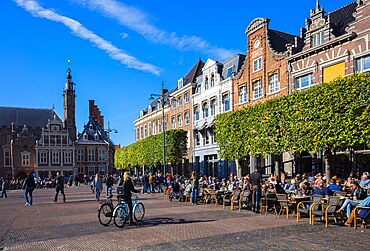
(149,108)
(96,136)
(317,39)
(90,126)
(180,83)
(229,71)
(85,136)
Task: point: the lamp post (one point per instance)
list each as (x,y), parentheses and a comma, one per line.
(162,96)
(108,131)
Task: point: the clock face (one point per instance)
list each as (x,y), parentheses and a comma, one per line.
(257,44)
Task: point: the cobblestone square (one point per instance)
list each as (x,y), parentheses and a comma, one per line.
(167,226)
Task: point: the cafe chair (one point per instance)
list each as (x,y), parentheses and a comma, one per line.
(325,210)
(244,199)
(303,207)
(284,204)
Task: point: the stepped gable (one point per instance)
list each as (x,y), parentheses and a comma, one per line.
(31,117)
(278,40)
(340,18)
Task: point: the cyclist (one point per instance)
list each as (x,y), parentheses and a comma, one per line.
(128,187)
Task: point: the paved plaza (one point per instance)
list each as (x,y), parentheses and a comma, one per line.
(167,226)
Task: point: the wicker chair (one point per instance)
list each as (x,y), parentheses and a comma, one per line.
(303,207)
(227,198)
(268,202)
(325,210)
(284,204)
(364,221)
(244,199)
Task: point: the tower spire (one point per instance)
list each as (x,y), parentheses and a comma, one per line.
(317,5)
(69,97)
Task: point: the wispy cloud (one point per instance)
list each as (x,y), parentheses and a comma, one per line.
(79,30)
(138,21)
(124,35)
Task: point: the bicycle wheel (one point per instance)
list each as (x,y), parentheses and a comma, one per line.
(120,217)
(105,214)
(139,211)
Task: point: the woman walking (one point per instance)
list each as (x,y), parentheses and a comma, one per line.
(98,186)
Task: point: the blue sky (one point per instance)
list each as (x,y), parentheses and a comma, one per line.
(121,51)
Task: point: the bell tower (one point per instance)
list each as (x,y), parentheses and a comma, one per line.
(69,97)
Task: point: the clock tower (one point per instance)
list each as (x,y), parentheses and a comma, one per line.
(69,97)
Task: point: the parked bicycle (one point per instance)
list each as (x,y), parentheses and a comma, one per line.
(121,212)
(105,212)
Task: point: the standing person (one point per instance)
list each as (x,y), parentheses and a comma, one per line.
(128,187)
(109,185)
(59,187)
(4,187)
(195,186)
(28,186)
(152,183)
(91,184)
(256,188)
(160,182)
(98,185)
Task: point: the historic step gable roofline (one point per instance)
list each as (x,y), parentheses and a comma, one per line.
(256,24)
(92,134)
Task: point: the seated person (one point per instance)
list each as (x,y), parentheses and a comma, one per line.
(333,187)
(365,181)
(365,203)
(357,193)
(293,187)
(321,189)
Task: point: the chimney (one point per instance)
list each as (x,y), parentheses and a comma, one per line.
(102,122)
(91,108)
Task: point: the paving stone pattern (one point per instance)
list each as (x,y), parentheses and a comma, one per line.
(167,226)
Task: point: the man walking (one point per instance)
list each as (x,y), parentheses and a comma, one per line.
(109,185)
(59,187)
(256,188)
(4,187)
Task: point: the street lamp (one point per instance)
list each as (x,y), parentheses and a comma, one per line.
(109,130)
(162,97)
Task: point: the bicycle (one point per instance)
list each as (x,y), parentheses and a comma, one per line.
(121,212)
(105,212)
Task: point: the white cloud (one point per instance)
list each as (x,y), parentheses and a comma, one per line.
(124,35)
(138,21)
(79,30)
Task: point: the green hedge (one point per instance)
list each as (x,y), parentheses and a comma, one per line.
(149,151)
(332,115)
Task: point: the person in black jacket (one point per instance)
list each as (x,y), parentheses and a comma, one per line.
(28,186)
(59,187)
(256,179)
(128,187)
(109,185)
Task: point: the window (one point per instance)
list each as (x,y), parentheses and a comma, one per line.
(150,128)
(7,159)
(257,64)
(173,120)
(274,84)
(154,123)
(317,39)
(187,118)
(91,155)
(68,157)
(205,110)
(212,80)
(165,123)
(196,138)
(303,81)
(213,107)
(159,126)
(257,89)
(206,137)
(179,101)
(196,113)
(101,154)
(141,132)
(173,104)
(363,64)
(179,120)
(145,131)
(206,83)
(137,133)
(96,136)
(242,94)
(225,102)
(198,88)
(333,71)
(80,155)
(25,158)
(187,98)
(55,157)
(229,71)
(43,157)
